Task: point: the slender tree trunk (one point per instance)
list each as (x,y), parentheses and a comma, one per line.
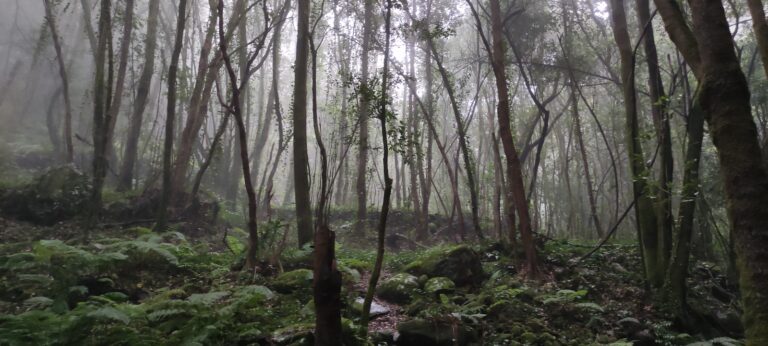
(514,171)
(130,154)
(382,228)
(100,110)
(469,167)
(300,156)
(51,21)
(644,208)
(585,163)
(760,27)
(362,114)
(235,108)
(661,119)
(122,69)
(170,118)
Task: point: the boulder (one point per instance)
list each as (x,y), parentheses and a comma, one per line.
(298,334)
(293,280)
(399,289)
(59,194)
(461,264)
(433,333)
(376,308)
(439,285)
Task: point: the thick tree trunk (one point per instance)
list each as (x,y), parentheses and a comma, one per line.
(724,98)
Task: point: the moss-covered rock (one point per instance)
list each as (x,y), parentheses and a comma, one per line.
(293,280)
(298,334)
(399,289)
(434,333)
(461,264)
(59,194)
(439,285)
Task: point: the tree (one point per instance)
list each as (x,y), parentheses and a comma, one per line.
(50,19)
(362,118)
(101,102)
(724,100)
(130,154)
(170,118)
(300,156)
(382,227)
(515,185)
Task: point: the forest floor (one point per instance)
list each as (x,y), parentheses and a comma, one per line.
(129,285)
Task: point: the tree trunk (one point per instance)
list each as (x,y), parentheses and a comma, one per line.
(382,227)
(661,120)
(117,98)
(514,171)
(125,180)
(362,115)
(469,167)
(644,208)
(724,99)
(51,20)
(170,118)
(300,156)
(760,27)
(100,110)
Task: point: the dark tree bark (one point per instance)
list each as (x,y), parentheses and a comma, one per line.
(382,227)
(362,115)
(170,118)
(327,278)
(51,21)
(130,154)
(760,27)
(661,120)
(644,209)
(300,156)
(101,102)
(515,185)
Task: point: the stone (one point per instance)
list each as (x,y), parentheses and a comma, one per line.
(298,334)
(439,285)
(293,280)
(399,289)
(629,326)
(377,309)
(59,194)
(461,264)
(421,332)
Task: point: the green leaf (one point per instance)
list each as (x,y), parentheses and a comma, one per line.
(110,313)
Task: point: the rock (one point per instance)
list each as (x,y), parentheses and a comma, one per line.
(683,339)
(293,280)
(60,194)
(629,326)
(399,289)
(461,264)
(298,334)
(644,337)
(383,337)
(729,322)
(439,285)
(420,332)
(376,308)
